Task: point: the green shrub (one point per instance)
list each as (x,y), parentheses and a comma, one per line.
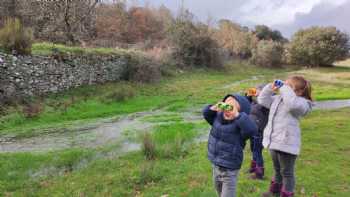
(268,54)
(148,146)
(33,110)
(175,149)
(263,32)
(193,45)
(142,69)
(148,174)
(145,71)
(120,94)
(172,140)
(15,37)
(318,46)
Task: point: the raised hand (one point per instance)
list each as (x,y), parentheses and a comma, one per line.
(277,84)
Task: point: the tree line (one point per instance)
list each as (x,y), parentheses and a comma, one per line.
(189,42)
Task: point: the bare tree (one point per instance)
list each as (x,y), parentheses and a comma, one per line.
(69,21)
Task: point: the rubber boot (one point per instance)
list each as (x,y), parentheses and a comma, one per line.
(285,193)
(274,190)
(252,167)
(259,173)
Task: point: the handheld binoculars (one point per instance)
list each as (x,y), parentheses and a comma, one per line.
(279,83)
(225,107)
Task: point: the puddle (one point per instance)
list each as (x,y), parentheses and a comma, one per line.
(108,131)
(236,83)
(332,104)
(123,130)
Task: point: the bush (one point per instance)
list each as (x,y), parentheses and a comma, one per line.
(15,37)
(148,146)
(146,71)
(163,55)
(263,32)
(142,69)
(268,54)
(148,174)
(235,39)
(193,45)
(177,148)
(318,46)
(120,94)
(32,110)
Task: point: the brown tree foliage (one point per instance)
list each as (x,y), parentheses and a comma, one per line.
(116,24)
(111,23)
(144,25)
(237,40)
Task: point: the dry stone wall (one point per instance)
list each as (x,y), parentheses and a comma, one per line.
(37,75)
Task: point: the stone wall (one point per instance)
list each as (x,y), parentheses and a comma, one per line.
(37,75)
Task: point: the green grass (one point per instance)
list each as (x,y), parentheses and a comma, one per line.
(180,167)
(46,48)
(322,169)
(191,89)
(16,124)
(163,118)
(173,94)
(328,83)
(16,168)
(345,63)
(330,92)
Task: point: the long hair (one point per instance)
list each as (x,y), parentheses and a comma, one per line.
(303,86)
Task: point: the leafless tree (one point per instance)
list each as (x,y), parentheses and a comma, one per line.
(70,21)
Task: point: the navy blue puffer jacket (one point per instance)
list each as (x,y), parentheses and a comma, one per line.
(227,137)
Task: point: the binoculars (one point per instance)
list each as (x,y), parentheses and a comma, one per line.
(251,92)
(225,107)
(278,83)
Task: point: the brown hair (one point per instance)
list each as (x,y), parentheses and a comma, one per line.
(302,86)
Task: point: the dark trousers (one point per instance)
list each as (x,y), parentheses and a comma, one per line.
(256,147)
(284,164)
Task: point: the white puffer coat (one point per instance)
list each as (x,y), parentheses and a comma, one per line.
(283,132)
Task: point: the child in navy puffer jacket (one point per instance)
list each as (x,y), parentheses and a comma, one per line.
(229,132)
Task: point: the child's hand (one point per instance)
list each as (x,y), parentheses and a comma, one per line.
(273,87)
(277,84)
(215,107)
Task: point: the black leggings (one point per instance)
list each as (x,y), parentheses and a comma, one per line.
(283,164)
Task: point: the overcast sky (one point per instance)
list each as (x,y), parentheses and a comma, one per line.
(284,15)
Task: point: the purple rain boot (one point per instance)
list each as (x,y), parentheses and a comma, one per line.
(275,190)
(285,193)
(252,167)
(259,173)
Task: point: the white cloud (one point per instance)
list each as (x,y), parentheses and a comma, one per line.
(283,14)
(274,12)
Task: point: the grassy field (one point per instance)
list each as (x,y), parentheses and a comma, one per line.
(187,89)
(179,166)
(46,48)
(345,63)
(190,88)
(322,169)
